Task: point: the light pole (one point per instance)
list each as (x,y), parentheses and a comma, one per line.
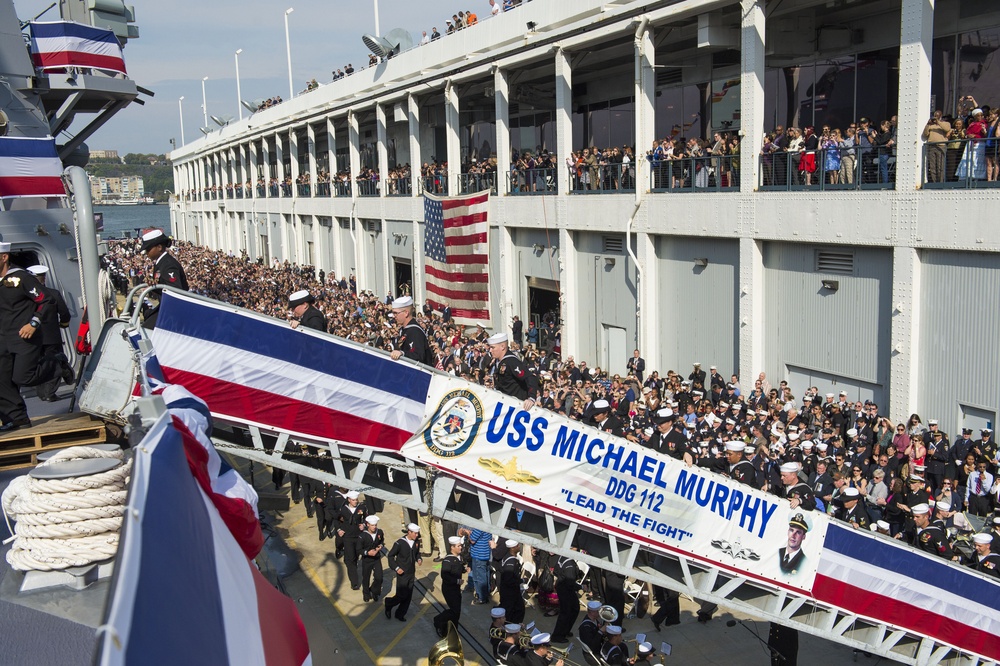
(239,97)
(377,33)
(288,48)
(204,101)
(180,109)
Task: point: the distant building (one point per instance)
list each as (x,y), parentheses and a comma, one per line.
(112,190)
(105,154)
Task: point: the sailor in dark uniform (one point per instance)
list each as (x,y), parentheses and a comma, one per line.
(404,556)
(566,572)
(412,341)
(734,465)
(452,570)
(23,307)
(927,536)
(498,617)
(614,651)
(605,420)
(510,583)
(56,320)
(538,654)
(508,652)
(667,438)
(852,510)
(798,494)
(511,376)
(983,560)
(304,313)
(644,653)
(166,270)
(352,521)
(372,540)
(590,630)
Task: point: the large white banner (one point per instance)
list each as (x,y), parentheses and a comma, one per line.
(559,465)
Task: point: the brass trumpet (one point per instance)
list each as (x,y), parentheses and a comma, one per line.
(449,647)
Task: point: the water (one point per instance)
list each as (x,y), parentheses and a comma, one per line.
(121,219)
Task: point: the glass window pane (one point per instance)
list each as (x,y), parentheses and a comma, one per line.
(833,92)
(943,81)
(622,131)
(978,71)
(725,104)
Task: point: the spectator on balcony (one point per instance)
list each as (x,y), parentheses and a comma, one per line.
(796,146)
(425,39)
(992,145)
(471,19)
(830,143)
(807,164)
(866,141)
(935,134)
(435,35)
(593,167)
(494,7)
(885,142)
(973,163)
(956,145)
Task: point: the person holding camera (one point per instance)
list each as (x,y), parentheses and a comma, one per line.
(935,135)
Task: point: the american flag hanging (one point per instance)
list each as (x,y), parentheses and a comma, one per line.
(457,255)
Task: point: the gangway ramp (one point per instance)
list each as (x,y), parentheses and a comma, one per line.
(473,456)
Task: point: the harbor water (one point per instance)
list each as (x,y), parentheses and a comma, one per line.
(124,221)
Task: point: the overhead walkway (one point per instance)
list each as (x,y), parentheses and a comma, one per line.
(348,415)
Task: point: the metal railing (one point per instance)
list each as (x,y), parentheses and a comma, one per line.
(323,189)
(532,181)
(961,164)
(367,188)
(843,168)
(342,188)
(436,184)
(605,179)
(304,189)
(399,187)
(477,182)
(707,173)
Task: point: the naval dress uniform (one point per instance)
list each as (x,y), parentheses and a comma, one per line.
(569,602)
(54,320)
(314,319)
(403,558)
(22,302)
(166,271)
(510,588)
(371,562)
(452,570)
(352,522)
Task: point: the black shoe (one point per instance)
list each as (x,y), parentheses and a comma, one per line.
(656,625)
(355,587)
(322,535)
(339,554)
(438,559)
(569,634)
(375,598)
(11,426)
(401,619)
(388,610)
(704,617)
(67,373)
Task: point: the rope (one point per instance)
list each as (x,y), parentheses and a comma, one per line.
(70,522)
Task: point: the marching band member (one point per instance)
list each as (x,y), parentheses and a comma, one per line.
(497,633)
(590,630)
(643,654)
(614,652)
(510,583)
(508,651)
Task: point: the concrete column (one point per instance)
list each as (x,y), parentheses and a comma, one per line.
(354,145)
(254,171)
(311,146)
(645,113)
(751,94)
(454,143)
(916,37)
(569,267)
(416,161)
(649,331)
(904,387)
(510,282)
(751,310)
(244,149)
(564,126)
(266,150)
(331,154)
(293,155)
(280,149)
(381,134)
(501,100)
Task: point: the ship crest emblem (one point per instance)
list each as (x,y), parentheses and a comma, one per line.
(455,424)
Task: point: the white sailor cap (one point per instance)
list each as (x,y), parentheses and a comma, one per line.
(594,605)
(793,436)
(413,527)
(829,395)
(882,525)
(852,432)
(152,238)
(932,422)
(352,494)
(371,520)
(807,444)
(723,404)
(455,541)
(497,338)
(920,509)
(851,493)
(712,367)
(644,649)
(38,269)
(4,247)
(511,628)
(873,527)
(601,406)
(541,639)
(300,297)
(511,543)
(731,421)
(983,538)
(498,613)
(843,393)
(942,506)
(996,520)
(613,630)
(822,446)
(790,468)
(749,448)
(402,302)
(734,446)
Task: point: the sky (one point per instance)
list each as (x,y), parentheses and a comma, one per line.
(182,41)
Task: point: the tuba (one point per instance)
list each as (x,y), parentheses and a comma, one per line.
(449,647)
(608,614)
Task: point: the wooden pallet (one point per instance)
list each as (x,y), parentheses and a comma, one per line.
(18,449)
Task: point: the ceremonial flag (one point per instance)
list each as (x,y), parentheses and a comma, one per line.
(30,168)
(457,255)
(62,44)
(185,591)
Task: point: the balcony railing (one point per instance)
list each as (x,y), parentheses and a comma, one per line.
(323,189)
(368,188)
(399,187)
(708,173)
(844,168)
(532,181)
(477,182)
(436,184)
(342,188)
(604,179)
(961,164)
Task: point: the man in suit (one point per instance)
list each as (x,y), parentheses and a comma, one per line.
(790,557)
(404,556)
(517,329)
(636,365)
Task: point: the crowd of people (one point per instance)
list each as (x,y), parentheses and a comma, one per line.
(904,479)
